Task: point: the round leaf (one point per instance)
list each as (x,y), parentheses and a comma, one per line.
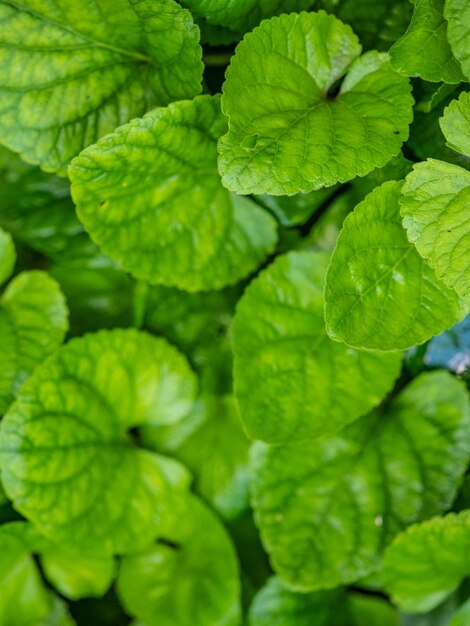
(67,460)
(457,14)
(151,197)
(292,381)
(72,72)
(379,292)
(288,132)
(455,124)
(327,508)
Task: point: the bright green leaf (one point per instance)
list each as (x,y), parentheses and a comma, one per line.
(457,14)
(379,292)
(428,561)
(151,197)
(275,605)
(7,256)
(33,323)
(455,124)
(327,508)
(192,580)
(288,131)
(292,381)
(435,206)
(211,443)
(424,50)
(64,445)
(70,73)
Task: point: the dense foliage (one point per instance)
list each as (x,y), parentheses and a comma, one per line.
(234,297)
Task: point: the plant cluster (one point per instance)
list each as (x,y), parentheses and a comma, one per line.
(234,331)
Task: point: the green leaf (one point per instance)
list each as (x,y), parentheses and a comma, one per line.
(457,14)
(151,197)
(292,381)
(327,508)
(64,445)
(462,615)
(379,292)
(278,95)
(435,206)
(7,256)
(243,15)
(424,50)
(33,323)
(294,210)
(211,443)
(327,227)
(24,600)
(87,69)
(193,580)
(455,124)
(377,29)
(275,605)
(428,561)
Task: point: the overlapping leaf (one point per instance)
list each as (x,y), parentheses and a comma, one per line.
(292,381)
(71,73)
(288,131)
(327,509)
(151,197)
(64,446)
(457,14)
(379,292)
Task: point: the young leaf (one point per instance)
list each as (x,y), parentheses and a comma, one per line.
(327,508)
(457,14)
(193,580)
(435,206)
(424,50)
(379,292)
(455,124)
(211,444)
(24,600)
(292,381)
(7,256)
(33,323)
(64,444)
(151,197)
(288,132)
(275,605)
(428,561)
(86,69)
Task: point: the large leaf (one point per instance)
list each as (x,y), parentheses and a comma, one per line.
(327,508)
(151,197)
(292,381)
(67,460)
(33,323)
(457,14)
(288,132)
(379,292)
(428,561)
(424,50)
(455,124)
(193,580)
(275,605)
(70,73)
(435,206)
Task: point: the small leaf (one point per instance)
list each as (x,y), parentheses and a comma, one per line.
(328,508)
(72,73)
(7,256)
(424,50)
(33,323)
(151,197)
(428,561)
(193,580)
(379,292)
(435,206)
(292,381)
(455,124)
(277,86)
(64,445)
(457,14)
